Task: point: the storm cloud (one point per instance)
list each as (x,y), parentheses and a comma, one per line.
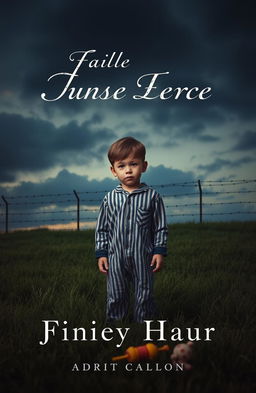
(247,141)
(34,144)
(220,163)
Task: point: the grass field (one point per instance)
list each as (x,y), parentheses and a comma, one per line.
(208,281)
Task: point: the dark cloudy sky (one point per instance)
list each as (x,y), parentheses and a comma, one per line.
(48,146)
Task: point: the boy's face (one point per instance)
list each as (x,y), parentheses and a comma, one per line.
(129,171)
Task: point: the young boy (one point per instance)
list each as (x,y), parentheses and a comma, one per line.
(131,233)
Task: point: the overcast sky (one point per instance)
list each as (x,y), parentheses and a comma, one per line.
(62,144)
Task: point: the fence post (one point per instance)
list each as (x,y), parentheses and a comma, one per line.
(200,201)
(78,209)
(6,213)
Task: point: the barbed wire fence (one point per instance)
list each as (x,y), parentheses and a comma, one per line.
(184,201)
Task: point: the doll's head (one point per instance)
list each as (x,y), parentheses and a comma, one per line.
(182,353)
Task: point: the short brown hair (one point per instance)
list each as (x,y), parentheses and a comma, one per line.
(124,147)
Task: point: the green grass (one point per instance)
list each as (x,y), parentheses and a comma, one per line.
(208,281)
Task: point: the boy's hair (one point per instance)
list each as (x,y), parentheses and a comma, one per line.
(122,148)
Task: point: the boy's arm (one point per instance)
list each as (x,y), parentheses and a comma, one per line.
(159,227)
(101,233)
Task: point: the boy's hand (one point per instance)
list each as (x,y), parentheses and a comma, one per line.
(103,264)
(157,261)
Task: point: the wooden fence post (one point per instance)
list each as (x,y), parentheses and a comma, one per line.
(78,209)
(6,214)
(200,202)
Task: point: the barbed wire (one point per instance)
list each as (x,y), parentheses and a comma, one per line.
(51,220)
(168,215)
(210,204)
(76,205)
(229,213)
(53,212)
(41,203)
(179,195)
(91,200)
(230,181)
(194,183)
(96,210)
(223,185)
(229,192)
(52,202)
(212,214)
(39,195)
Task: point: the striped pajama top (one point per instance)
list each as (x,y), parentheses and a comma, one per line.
(131,224)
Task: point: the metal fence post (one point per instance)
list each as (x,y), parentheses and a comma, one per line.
(78,209)
(6,213)
(200,202)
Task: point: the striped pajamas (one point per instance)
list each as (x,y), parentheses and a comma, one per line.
(131,227)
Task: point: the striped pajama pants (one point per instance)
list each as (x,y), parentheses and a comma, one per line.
(123,274)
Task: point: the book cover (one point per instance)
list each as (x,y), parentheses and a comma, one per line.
(75,77)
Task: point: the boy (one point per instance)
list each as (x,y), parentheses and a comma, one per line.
(131,233)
